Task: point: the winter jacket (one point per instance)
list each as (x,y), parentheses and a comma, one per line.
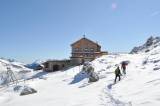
(117,71)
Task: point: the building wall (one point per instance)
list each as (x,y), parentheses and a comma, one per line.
(56,65)
(76,61)
(85,46)
(84,50)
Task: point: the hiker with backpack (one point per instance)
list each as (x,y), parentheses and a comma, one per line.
(117,74)
(123,67)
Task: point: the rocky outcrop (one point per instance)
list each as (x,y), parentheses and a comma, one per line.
(93,76)
(27,90)
(151,43)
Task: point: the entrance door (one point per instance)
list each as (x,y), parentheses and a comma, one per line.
(56,67)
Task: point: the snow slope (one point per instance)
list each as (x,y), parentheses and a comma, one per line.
(16,66)
(18,69)
(140,86)
(151,43)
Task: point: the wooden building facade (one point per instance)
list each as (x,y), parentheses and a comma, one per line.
(82,50)
(85,50)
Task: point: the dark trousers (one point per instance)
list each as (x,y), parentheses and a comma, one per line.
(124,70)
(116,78)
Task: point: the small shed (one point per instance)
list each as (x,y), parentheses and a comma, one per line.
(56,65)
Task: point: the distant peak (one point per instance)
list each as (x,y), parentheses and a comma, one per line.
(150,44)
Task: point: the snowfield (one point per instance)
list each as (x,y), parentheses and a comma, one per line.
(19,69)
(139,87)
(16,66)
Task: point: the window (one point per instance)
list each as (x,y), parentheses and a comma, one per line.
(91,55)
(76,49)
(86,55)
(92,49)
(86,49)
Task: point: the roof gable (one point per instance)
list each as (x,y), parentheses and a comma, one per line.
(86,40)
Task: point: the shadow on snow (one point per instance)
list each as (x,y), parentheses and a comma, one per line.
(79,77)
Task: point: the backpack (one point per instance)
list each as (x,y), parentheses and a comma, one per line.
(117,71)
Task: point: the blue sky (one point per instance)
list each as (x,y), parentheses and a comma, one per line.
(43,29)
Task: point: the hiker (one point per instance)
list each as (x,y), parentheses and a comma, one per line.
(117,74)
(123,67)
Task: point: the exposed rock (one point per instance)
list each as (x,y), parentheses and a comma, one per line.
(156,68)
(150,44)
(88,68)
(93,77)
(27,90)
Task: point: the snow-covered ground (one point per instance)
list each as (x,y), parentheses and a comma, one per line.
(19,70)
(16,66)
(139,87)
